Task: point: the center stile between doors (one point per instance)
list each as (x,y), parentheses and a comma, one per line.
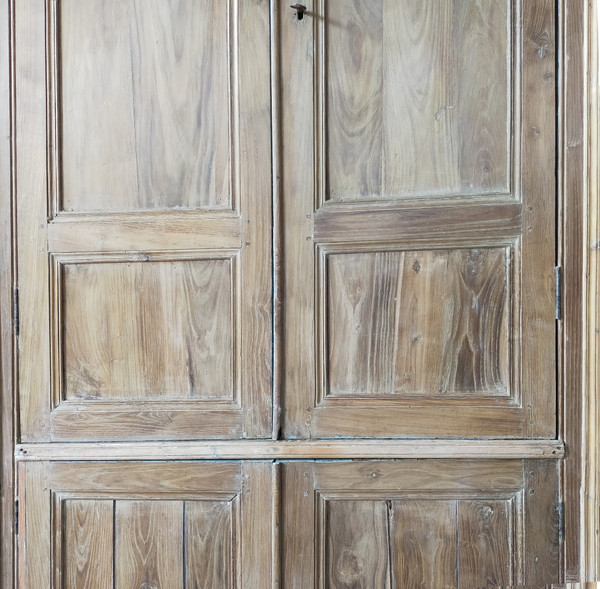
(286,293)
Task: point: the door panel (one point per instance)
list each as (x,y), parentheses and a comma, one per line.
(453,524)
(418,207)
(144,216)
(145,524)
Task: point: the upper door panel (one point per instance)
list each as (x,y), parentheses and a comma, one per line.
(146,93)
(143,203)
(415,98)
(418,156)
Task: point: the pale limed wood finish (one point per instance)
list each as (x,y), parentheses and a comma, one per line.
(343,277)
(157,100)
(217,282)
(407,111)
(434,524)
(146,524)
(6,328)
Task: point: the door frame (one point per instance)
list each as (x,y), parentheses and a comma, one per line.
(578,183)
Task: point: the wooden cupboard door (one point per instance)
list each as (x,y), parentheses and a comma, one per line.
(418,198)
(143,205)
(420,523)
(123,525)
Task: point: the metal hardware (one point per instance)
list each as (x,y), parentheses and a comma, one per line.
(558,293)
(300,10)
(16,312)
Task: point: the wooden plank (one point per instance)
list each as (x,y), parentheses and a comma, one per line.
(297,51)
(441,422)
(542,523)
(298,525)
(538,139)
(83,422)
(419,224)
(459,477)
(357,550)
(35,532)
(87,550)
(573,172)
(156,101)
(148,544)
(6,302)
(353,100)
(424,546)
(313,449)
(209,541)
(485,548)
(31,211)
(256,198)
(255,527)
(145,233)
(147,479)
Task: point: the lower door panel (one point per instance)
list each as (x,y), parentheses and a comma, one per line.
(134,524)
(420,523)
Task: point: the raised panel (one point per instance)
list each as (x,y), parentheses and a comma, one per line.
(143,101)
(156,329)
(427,323)
(420,524)
(102,525)
(416,98)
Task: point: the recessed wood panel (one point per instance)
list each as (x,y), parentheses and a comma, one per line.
(143,104)
(416,98)
(425,323)
(144,543)
(147,330)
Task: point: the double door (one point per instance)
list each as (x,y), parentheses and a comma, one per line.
(286,304)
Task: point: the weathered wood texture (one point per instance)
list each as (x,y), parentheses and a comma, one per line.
(147,330)
(417,323)
(372,74)
(6,295)
(145,525)
(156,100)
(573,120)
(160,106)
(418,98)
(447,524)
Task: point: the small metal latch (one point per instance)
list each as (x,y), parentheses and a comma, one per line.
(300,10)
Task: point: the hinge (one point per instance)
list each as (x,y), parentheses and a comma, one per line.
(558,293)
(16,311)
(16,517)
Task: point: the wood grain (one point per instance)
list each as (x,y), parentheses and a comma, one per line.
(356,545)
(417,98)
(147,330)
(209,544)
(154,99)
(485,547)
(424,544)
(88,544)
(148,544)
(420,323)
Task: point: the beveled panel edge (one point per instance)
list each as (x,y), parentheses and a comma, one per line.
(512,398)
(57,261)
(513,123)
(53,141)
(383,449)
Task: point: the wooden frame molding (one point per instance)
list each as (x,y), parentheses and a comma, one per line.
(591,423)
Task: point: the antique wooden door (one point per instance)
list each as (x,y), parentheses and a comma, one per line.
(286,297)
